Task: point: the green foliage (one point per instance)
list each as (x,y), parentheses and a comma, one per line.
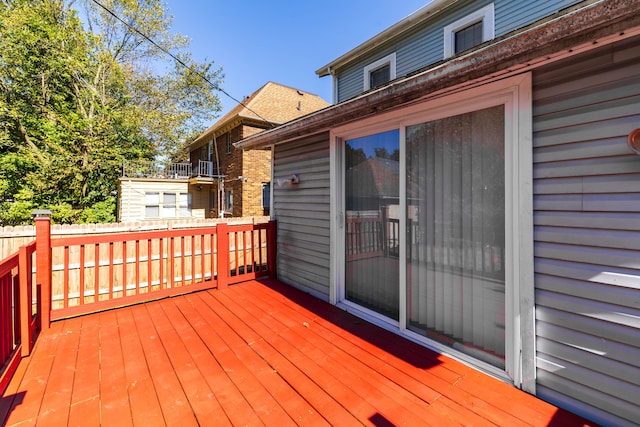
(78,98)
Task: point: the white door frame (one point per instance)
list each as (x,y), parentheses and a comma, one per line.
(515,93)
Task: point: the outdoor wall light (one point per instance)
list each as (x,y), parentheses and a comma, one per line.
(634,141)
(293,180)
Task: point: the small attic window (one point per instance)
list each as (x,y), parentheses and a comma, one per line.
(380,72)
(470,31)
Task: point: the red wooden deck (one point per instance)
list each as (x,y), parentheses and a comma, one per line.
(255,353)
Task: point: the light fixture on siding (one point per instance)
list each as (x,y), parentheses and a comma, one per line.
(293,180)
(634,141)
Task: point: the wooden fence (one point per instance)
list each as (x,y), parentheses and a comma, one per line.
(86,273)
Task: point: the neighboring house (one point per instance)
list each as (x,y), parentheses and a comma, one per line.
(244,187)
(511,237)
(217,174)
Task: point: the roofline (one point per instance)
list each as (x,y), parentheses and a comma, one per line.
(568,34)
(427,11)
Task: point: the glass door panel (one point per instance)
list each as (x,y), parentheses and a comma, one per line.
(456,232)
(372,173)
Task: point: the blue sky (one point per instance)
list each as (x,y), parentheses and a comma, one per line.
(284,41)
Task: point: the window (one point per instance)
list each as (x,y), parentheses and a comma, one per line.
(167,205)
(152,205)
(469,31)
(229,144)
(266,195)
(380,72)
(228,200)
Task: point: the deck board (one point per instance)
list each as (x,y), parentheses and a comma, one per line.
(255,353)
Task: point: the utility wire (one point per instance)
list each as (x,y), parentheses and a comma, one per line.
(178,60)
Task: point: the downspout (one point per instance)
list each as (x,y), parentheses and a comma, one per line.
(220,192)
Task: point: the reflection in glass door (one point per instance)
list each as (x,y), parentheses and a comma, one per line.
(456,232)
(372,172)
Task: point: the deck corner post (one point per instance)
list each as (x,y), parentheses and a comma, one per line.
(272,249)
(42,220)
(222,231)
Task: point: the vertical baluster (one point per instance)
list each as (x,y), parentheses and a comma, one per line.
(193,259)
(65,284)
(81,296)
(161,262)
(182,262)
(137,267)
(149,270)
(96,270)
(124,268)
(110,270)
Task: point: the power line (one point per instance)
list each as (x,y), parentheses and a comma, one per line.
(178,60)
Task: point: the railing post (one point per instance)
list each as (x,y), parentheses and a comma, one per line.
(25,298)
(272,249)
(222,231)
(43,264)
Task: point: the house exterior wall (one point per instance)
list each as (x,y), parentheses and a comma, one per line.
(424,46)
(302,211)
(587,238)
(257,171)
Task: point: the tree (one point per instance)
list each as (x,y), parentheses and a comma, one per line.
(75,101)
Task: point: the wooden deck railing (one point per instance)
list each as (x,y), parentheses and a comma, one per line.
(18,317)
(84,274)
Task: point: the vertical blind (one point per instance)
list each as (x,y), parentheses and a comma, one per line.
(456,223)
(372,222)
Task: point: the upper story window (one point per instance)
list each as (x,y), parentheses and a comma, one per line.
(470,31)
(229,144)
(380,72)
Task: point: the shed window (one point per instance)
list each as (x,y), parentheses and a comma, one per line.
(380,72)
(470,31)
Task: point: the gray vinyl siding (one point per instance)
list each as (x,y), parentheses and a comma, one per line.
(302,212)
(424,45)
(587,233)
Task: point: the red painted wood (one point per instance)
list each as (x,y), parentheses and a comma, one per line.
(222,255)
(43,267)
(253,353)
(85,398)
(65,284)
(111,274)
(24,300)
(96,273)
(245,375)
(137,267)
(149,266)
(145,407)
(272,249)
(114,399)
(213,358)
(57,395)
(201,397)
(82,272)
(175,405)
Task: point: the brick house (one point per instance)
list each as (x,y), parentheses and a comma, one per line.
(243,186)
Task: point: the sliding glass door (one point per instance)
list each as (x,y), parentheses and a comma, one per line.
(434,225)
(456,232)
(372,242)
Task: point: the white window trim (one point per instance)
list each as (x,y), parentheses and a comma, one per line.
(515,94)
(486,15)
(389,59)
